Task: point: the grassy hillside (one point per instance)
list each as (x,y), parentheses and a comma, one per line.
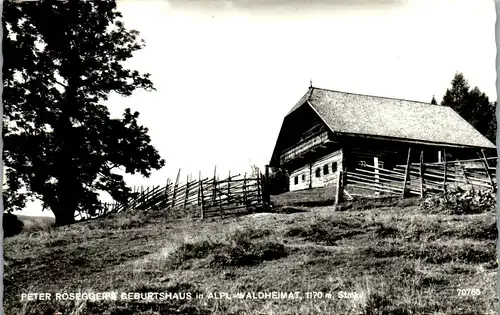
(14,224)
(36,223)
(373,258)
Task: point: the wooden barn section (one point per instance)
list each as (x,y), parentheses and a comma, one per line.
(329,131)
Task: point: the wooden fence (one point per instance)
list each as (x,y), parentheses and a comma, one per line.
(418,179)
(233,195)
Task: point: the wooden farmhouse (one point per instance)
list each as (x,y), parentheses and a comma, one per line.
(328,131)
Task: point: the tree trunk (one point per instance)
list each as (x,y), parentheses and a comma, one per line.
(64,216)
(67,173)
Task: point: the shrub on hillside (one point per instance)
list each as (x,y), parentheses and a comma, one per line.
(245,253)
(278,181)
(187,251)
(466,253)
(460,201)
(424,230)
(11,225)
(363,203)
(238,249)
(329,230)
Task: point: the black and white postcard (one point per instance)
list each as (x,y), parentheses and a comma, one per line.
(249,157)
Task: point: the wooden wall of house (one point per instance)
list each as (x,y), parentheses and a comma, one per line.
(324,167)
(326,162)
(392,153)
(300,178)
(358,150)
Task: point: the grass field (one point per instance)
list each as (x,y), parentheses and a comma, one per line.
(364,258)
(36,223)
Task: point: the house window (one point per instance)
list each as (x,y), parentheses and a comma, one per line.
(318,172)
(325,169)
(334,167)
(296,180)
(303,177)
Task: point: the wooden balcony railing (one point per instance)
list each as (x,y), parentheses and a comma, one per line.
(304,146)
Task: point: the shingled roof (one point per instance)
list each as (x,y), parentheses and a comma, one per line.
(350,113)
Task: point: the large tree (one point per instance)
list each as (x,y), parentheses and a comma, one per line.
(473,105)
(61,62)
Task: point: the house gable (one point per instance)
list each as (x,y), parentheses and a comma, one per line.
(298,128)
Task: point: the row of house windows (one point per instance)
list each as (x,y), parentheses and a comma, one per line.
(326,171)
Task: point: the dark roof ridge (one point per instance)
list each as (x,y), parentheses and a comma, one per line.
(311,88)
(384,97)
(303,100)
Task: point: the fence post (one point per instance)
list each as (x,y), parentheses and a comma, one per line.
(214,191)
(338,193)
(220,196)
(202,203)
(199,183)
(421,174)
(445,169)
(376,170)
(166,192)
(174,192)
(154,191)
(175,188)
(229,188)
(245,190)
(151,197)
(130,201)
(187,191)
(486,167)
(263,189)
(146,197)
(266,184)
(406,173)
(137,199)
(132,198)
(154,196)
(467,181)
(259,199)
(141,199)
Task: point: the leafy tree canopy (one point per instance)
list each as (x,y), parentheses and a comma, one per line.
(61,62)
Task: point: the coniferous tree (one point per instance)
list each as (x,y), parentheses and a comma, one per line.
(61,62)
(473,105)
(279,181)
(433,101)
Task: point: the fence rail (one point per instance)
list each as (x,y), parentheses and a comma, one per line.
(418,179)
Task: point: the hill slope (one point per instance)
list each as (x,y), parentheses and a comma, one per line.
(369,259)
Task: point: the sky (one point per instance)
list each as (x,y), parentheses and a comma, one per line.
(227,72)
